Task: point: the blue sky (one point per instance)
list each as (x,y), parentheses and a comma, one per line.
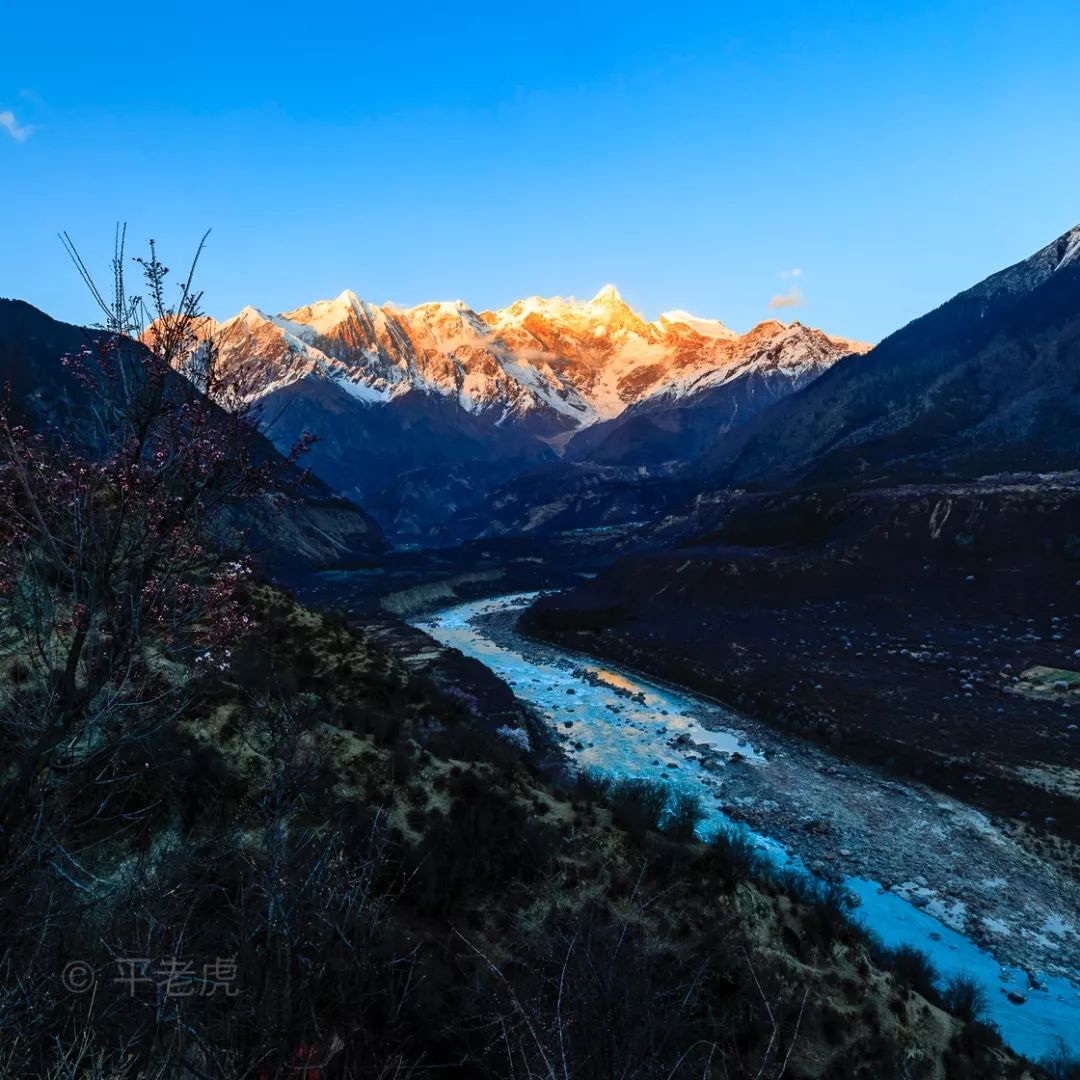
(690,153)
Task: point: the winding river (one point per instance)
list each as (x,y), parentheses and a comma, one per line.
(927,870)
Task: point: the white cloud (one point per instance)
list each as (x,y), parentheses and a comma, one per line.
(797,272)
(792,298)
(19,132)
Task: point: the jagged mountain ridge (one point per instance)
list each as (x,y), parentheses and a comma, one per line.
(459,400)
(551,365)
(684,416)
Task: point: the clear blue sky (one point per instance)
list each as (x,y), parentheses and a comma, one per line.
(690,153)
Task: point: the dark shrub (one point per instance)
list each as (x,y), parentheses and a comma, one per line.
(18,671)
(638,805)
(402,763)
(385,728)
(965,999)
(203,785)
(733,854)
(684,815)
(915,969)
(459,742)
(1061,1063)
(827,909)
(592,787)
(485,844)
(796,885)
(833,1026)
(829,915)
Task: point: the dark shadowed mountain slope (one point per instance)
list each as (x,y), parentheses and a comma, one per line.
(362,447)
(988,382)
(565,497)
(303,523)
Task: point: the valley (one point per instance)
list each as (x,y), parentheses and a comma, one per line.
(873,578)
(951,881)
(820,593)
(540,542)
(431,415)
(875,730)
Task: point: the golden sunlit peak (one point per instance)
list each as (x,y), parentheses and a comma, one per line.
(608,295)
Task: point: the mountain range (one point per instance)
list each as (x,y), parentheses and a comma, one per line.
(481,397)
(736,493)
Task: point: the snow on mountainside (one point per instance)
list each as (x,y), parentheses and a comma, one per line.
(551,365)
(266,355)
(421,410)
(1028,275)
(795,352)
(706,327)
(694,405)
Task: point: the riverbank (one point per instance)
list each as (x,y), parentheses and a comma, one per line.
(952,868)
(932,633)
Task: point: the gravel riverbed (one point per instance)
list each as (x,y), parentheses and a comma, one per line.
(895,839)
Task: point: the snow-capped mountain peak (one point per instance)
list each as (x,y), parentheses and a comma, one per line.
(247,314)
(711,328)
(1071,243)
(607,299)
(323,316)
(557,364)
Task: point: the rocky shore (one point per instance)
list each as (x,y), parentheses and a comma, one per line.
(845,819)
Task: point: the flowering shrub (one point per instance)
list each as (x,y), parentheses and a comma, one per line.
(515,736)
(106,569)
(472,706)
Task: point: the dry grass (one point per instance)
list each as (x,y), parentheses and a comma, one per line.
(525,901)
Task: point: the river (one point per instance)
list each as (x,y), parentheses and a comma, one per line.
(927,870)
